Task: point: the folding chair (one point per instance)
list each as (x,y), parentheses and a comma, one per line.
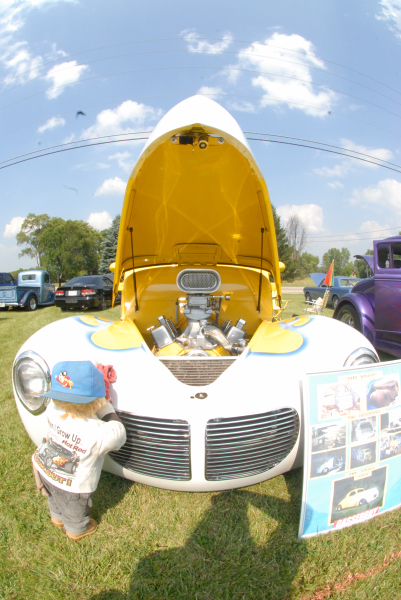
(317,306)
(279,311)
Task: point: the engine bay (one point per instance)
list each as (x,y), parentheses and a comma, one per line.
(198,313)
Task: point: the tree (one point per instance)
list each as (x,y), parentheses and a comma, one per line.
(308,264)
(70,248)
(31,230)
(297,234)
(109,246)
(284,249)
(342,262)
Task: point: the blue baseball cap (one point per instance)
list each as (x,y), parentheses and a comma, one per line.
(78,381)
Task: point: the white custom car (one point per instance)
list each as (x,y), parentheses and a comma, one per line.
(208,378)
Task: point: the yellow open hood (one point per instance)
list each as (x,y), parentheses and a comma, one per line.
(188,205)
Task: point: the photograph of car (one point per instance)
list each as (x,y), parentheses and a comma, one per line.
(338,399)
(333,464)
(358,497)
(363,429)
(88,291)
(390,446)
(328,437)
(364,454)
(342,285)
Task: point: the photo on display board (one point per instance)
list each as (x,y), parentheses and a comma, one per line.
(363,454)
(328,436)
(364,429)
(356,494)
(327,463)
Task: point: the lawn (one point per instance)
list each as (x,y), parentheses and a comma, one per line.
(155,544)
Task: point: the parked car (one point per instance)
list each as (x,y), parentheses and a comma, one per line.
(342,285)
(374,304)
(33,289)
(208,383)
(358,497)
(88,291)
(330,464)
(7,279)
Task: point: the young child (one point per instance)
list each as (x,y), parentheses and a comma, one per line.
(82,428)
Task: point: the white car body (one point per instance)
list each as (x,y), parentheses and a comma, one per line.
(237,427)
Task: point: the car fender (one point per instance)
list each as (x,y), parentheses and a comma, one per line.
(365,313)
(26,297)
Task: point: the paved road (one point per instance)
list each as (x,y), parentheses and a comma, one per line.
(292,290)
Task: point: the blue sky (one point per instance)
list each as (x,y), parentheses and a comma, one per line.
(326,72)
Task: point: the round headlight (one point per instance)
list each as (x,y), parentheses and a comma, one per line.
(362,356)
(31,377)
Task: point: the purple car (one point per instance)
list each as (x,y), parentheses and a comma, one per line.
(374,305)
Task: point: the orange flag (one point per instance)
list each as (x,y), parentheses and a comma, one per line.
(329,279)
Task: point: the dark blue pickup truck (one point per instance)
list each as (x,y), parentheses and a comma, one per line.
(32,289)
(7,279)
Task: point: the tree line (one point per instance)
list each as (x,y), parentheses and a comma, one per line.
(291,242)
(67,248)
(70,248)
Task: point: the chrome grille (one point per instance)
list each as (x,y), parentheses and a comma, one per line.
(248,445)
(155,447)
(197,371)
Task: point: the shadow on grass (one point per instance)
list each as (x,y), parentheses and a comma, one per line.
(109,493)
(221,560)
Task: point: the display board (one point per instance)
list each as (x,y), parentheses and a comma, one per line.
(352,454)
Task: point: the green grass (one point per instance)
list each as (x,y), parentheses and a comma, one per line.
(306,281)
(157,544)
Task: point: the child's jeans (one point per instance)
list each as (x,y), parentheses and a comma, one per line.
(72,509)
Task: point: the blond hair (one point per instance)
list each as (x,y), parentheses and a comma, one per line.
(79,411)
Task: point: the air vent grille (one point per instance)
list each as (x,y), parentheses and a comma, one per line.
(197,371)
(155,447)
(249,445)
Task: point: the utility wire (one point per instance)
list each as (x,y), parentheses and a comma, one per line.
(224,52)
(43,152)
(174,68)
(86,106)
(152,40)
(322,144)
(324,237)
(373,162)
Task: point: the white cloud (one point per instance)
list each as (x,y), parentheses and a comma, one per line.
(391,14)
(124,160)
(20,64)
(336,185)
(111,186)
(285,63)
(61,75)
(211,92)
(310,214)
(125,118)
(13,227)
(374,227)
(241,106)
(100,220)
(386,195)
(51,124)
(340,170)
(382,154)
(195,43)
(349,164)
